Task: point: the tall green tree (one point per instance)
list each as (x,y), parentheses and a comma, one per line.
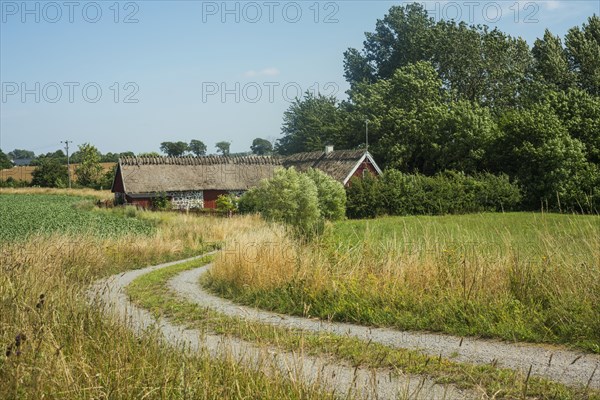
(261,147)
(223,147)
(89,171)
(50,173)
(551,62)
(479,64)
(174,149)
(579,112)
(197,147)
(467,133)
(4,161)
(415,126)
(311,123)
(404,36)
(474,62)
(404,117)
(583,49)
(538,151)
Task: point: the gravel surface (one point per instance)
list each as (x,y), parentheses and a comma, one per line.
(323,371)
(562,365)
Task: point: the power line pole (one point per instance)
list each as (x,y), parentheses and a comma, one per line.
(366,135)
(66,142)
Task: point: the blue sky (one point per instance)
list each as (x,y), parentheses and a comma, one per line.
(130,75)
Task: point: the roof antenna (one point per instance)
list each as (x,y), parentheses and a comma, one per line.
(366,135)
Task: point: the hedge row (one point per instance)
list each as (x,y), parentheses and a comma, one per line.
(396,193)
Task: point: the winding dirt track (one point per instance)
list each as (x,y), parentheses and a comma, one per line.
(324,372)
(558,364)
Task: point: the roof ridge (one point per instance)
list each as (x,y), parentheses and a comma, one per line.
(201,160)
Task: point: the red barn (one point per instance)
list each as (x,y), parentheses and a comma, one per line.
(197,182)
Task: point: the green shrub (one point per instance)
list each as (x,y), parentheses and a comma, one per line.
(364,197)
(11,182)
(248,202)
(226,203)
(50,173)
(396,193)
(497,193)
(160,202)
(289,197)
(331,195)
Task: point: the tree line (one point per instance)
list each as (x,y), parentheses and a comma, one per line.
(51,168)
(440,96)
(173,149)
(198,148)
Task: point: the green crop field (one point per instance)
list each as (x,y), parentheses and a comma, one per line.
(24,215)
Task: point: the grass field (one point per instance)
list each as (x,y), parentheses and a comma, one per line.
(54,345)
(517,276)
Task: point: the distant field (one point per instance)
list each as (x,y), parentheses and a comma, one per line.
(24,173)
(24,215)
(517,276)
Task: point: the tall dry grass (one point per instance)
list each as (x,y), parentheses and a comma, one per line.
(545,291)
(55,346)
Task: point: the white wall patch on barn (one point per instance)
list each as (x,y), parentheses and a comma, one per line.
(187,200)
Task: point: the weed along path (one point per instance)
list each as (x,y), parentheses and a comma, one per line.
(565,366)
(331,375)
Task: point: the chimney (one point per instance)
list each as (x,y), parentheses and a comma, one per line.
(328,149)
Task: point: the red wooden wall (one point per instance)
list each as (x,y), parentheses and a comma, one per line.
(365,165)
(210,197)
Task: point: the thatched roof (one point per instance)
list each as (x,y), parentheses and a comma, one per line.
(175,174)
(339,164)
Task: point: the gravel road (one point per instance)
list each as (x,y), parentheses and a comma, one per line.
(562,365)
(341,378)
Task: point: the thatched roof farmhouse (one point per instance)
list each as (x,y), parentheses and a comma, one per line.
(196,182)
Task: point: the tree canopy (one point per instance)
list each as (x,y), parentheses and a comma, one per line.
(50,173)
(18,154)
(443,95)
(89,171)
(4,161)
(197,147)
(309,124)
(223,147)
(174,149)
(261,147)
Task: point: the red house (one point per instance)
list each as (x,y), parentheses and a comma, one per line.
(196,182)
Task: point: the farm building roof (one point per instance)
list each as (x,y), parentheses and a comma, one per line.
(338,164)
(175,174)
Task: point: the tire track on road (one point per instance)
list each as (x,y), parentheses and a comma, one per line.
(333,376)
